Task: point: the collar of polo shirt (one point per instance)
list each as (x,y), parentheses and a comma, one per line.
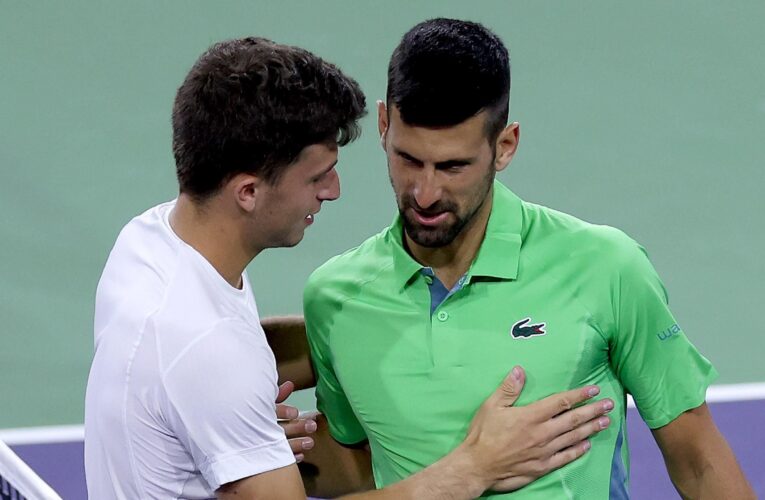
(500,250)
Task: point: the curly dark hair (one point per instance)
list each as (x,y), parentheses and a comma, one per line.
(252,105)
(446,70)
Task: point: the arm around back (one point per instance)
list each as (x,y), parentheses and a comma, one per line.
(287,338)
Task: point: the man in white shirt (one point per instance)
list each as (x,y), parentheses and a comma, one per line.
(181,395)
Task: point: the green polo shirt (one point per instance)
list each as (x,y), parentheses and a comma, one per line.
(410,381)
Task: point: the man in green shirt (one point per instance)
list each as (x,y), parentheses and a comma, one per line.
(412,329)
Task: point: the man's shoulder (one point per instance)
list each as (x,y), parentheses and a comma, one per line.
(355,266)
(576,236)
(150,219)
(554,223)
(143,239)
(137,270)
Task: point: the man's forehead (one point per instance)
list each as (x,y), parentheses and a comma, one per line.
(317,155)
(313,159)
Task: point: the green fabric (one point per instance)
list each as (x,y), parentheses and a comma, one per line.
(411,382)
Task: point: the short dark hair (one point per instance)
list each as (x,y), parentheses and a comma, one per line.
(445,71)
(252,105)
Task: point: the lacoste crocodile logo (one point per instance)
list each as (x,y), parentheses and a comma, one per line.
(521,331)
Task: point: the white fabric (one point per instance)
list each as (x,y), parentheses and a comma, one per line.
(181,392)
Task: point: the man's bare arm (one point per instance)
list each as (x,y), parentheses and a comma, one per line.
(287,338)
(699,460)
(505,449)
(332,469)
(277,484)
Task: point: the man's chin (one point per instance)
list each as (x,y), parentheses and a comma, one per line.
(430,238)
(288,242)
(294,242)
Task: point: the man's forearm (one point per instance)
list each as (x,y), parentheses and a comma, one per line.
(331,469)
(699,460)
(454,477)
(711,477)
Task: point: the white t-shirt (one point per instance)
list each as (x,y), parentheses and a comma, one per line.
(181,393)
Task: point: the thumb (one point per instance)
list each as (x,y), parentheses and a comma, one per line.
(510,388)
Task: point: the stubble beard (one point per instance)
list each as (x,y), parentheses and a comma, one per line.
(444,235)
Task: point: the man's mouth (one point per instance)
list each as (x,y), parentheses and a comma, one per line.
(429,219)
(309,219)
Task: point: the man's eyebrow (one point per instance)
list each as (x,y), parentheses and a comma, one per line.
(457,162)
(330,167)
(454,162)
(406,155)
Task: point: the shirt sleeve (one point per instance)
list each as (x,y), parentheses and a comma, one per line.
(221,395)
(331,400)
(650,353)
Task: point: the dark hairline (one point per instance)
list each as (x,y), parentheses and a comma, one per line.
(491,131)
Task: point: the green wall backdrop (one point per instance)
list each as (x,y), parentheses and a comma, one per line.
(648,116)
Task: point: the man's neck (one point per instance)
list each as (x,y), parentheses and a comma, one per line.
(216,237)
(452,261)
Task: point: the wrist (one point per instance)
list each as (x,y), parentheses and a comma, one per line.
(464,462)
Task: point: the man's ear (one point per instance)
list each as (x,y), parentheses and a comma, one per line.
(382,122)
(506,146)
(246,190)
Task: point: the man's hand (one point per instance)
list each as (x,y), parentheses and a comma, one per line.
(505,449)
(513,446)
(295,428)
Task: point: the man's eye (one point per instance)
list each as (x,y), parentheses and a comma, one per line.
(453,168)
(322,176)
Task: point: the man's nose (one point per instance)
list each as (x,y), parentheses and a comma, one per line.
(331,190)
(427,189)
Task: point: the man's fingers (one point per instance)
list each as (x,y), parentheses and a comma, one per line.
(508,391)
(286,412)
(579,434)
(567,455)
(556,404)
(299,445)
(284,391)
(310,415)
(298,428)
(580,417)
(534,469)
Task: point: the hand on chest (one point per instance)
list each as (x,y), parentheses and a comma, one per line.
(460,353)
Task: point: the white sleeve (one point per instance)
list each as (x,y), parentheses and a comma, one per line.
(221,394)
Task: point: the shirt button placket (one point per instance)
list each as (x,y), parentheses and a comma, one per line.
(442,316)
